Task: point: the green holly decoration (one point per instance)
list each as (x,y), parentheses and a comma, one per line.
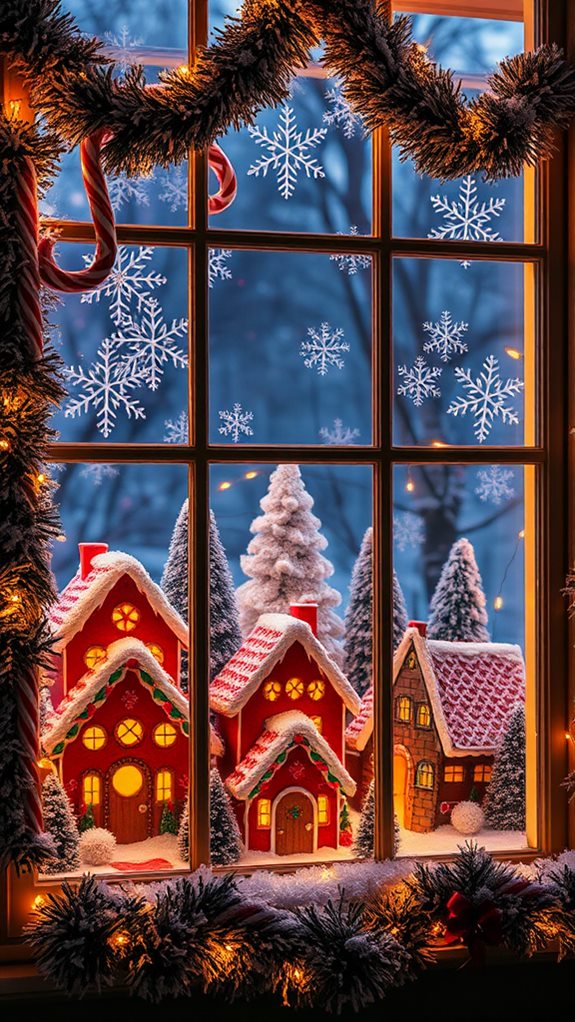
(344,820)
(295,812)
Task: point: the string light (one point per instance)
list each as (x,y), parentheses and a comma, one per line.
(14,107)
(410,485)
(39,902)
(119,940)
(4,445)
(251,475)
(438,443)
(224,486)
(521,534)
(513,353)
(498,602)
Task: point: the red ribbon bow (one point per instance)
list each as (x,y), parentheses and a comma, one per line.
(478,925)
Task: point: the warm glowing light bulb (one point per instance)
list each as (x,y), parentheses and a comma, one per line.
(15,598)
(410,486)
(41,477)
(438,443)
(39,901)
(521,534)
(184,71)
(498,603)
(14,107)
(568,736)
(224,486)
(513,353)
(61,538)
(4,445)
(250,475)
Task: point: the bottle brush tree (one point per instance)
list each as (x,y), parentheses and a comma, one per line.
(504,803)
(60,824)
(457,611)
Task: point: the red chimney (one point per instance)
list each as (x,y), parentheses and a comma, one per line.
(420,625)
(87,552)
(305,612)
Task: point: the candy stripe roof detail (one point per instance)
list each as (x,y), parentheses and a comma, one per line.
(358,731)
(260,651)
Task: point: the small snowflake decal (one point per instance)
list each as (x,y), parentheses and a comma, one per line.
(339,435)
(341,115)
(152,343)
(130,698)
(217,269)
(466,219)
(236,422)
(129,280)
(351,263)
(287,152)
(494,485)
(122,45)
(296,770)
(486,397)
(175,188)
(419,381)
(98,473)
(177,430)
(407,530)
(123,189)
(445,337)
(106,387)
(324,349)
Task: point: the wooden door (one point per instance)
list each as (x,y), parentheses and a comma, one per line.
(129,801)
(399,787)
(294,824)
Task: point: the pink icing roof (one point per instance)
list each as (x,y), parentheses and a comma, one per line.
(359,729)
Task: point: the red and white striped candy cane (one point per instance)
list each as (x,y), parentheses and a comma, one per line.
(104,227)
(227,179)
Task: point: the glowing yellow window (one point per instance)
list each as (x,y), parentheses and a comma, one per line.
(128,780)
(125,617)
(453,774)
(318,723)
(129,731)
(294,688)
(92,789)
(322,810)
(424,775)
(156,651)
(164,735)
(404,709)
(482,773)
(316,689)
(164,785)
(272,690)
(94,738)
(423,718)
(93,656)
(264,812)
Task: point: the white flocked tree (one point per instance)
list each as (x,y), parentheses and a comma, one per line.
(225,840)
(284,561)
(504,803)
(60,824)
(457,611)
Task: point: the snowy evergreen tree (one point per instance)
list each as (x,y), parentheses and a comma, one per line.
(284,560)
(184,833)
(45,707)
(504,803)
(399,612)
(86,821)
(225,840)
(364,841)
(457,611)
(168,822)
(60,824)
(225,635)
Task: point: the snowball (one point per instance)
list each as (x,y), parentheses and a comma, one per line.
(97,846)
(467,817)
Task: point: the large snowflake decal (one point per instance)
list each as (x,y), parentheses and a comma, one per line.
(341,115)
(419,381)
(494,485)
(125,189)
(466,219)
(177,430)
(129,280)
(486,397)
(217,266)
(106,386)
(351,263)
(287,152)
(175,188)
(339,435)
(152,343)
(445,337)
(122,47)
(407,530)
(236,422)
(98,472)
(324,349)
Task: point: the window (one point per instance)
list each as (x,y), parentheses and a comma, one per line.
(322,810)
(272,690)
(424,775)
(164,735)
(92,789)
(264,812)
(127,780)
(318,723)
(423,715)
(94,738)
(93,656)
(125,617)
(156,651)
(453,774)
(404,709)
(482,773)
(129,732)
(294,688)
(164,786)
(316,689)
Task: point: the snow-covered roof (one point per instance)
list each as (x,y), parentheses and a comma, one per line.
(472,686)
(82,596)
(95,686)
(281,733)
(263,648)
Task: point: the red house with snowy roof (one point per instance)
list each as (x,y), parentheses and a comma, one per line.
(452,702)
(281,707)
(118,735)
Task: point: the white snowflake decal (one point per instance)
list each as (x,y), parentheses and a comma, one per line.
(486,397)
(324,349)
(236,422)
(217,268)
(125,189)
(445,337)
(288,152)
(494,484)
(177,430)
(106,387)
(130,698)
(98,473)
(129,280)
(341,115)
(466,219)
(419,381)
(351,263)
(407,530)
(175,188)
(339,435)
(152,344)
(122,46)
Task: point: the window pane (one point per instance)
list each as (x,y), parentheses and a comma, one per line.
(135,26)
(463,353)
(290,348)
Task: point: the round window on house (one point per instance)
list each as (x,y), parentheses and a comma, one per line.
(156,651)
(94,738)
(129,731)
(125,617)
(294,688)
(316,689)
(93,656)
(128,780)
(272,690)
(164,735)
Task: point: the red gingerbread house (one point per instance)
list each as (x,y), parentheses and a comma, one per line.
(281,706)
(118,735)
(452,702)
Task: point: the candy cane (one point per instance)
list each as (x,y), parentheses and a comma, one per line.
(227,179)
(104,227)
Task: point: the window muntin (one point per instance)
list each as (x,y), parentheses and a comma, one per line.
(425,775)
(94,737)
(482,773)
(125,617)
(129,732)
(164,735)
(294,688)
(94,656)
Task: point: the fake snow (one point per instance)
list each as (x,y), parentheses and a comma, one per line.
(446,840)
(162,846)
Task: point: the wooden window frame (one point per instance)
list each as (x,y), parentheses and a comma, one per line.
(160,773)
(548,254)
